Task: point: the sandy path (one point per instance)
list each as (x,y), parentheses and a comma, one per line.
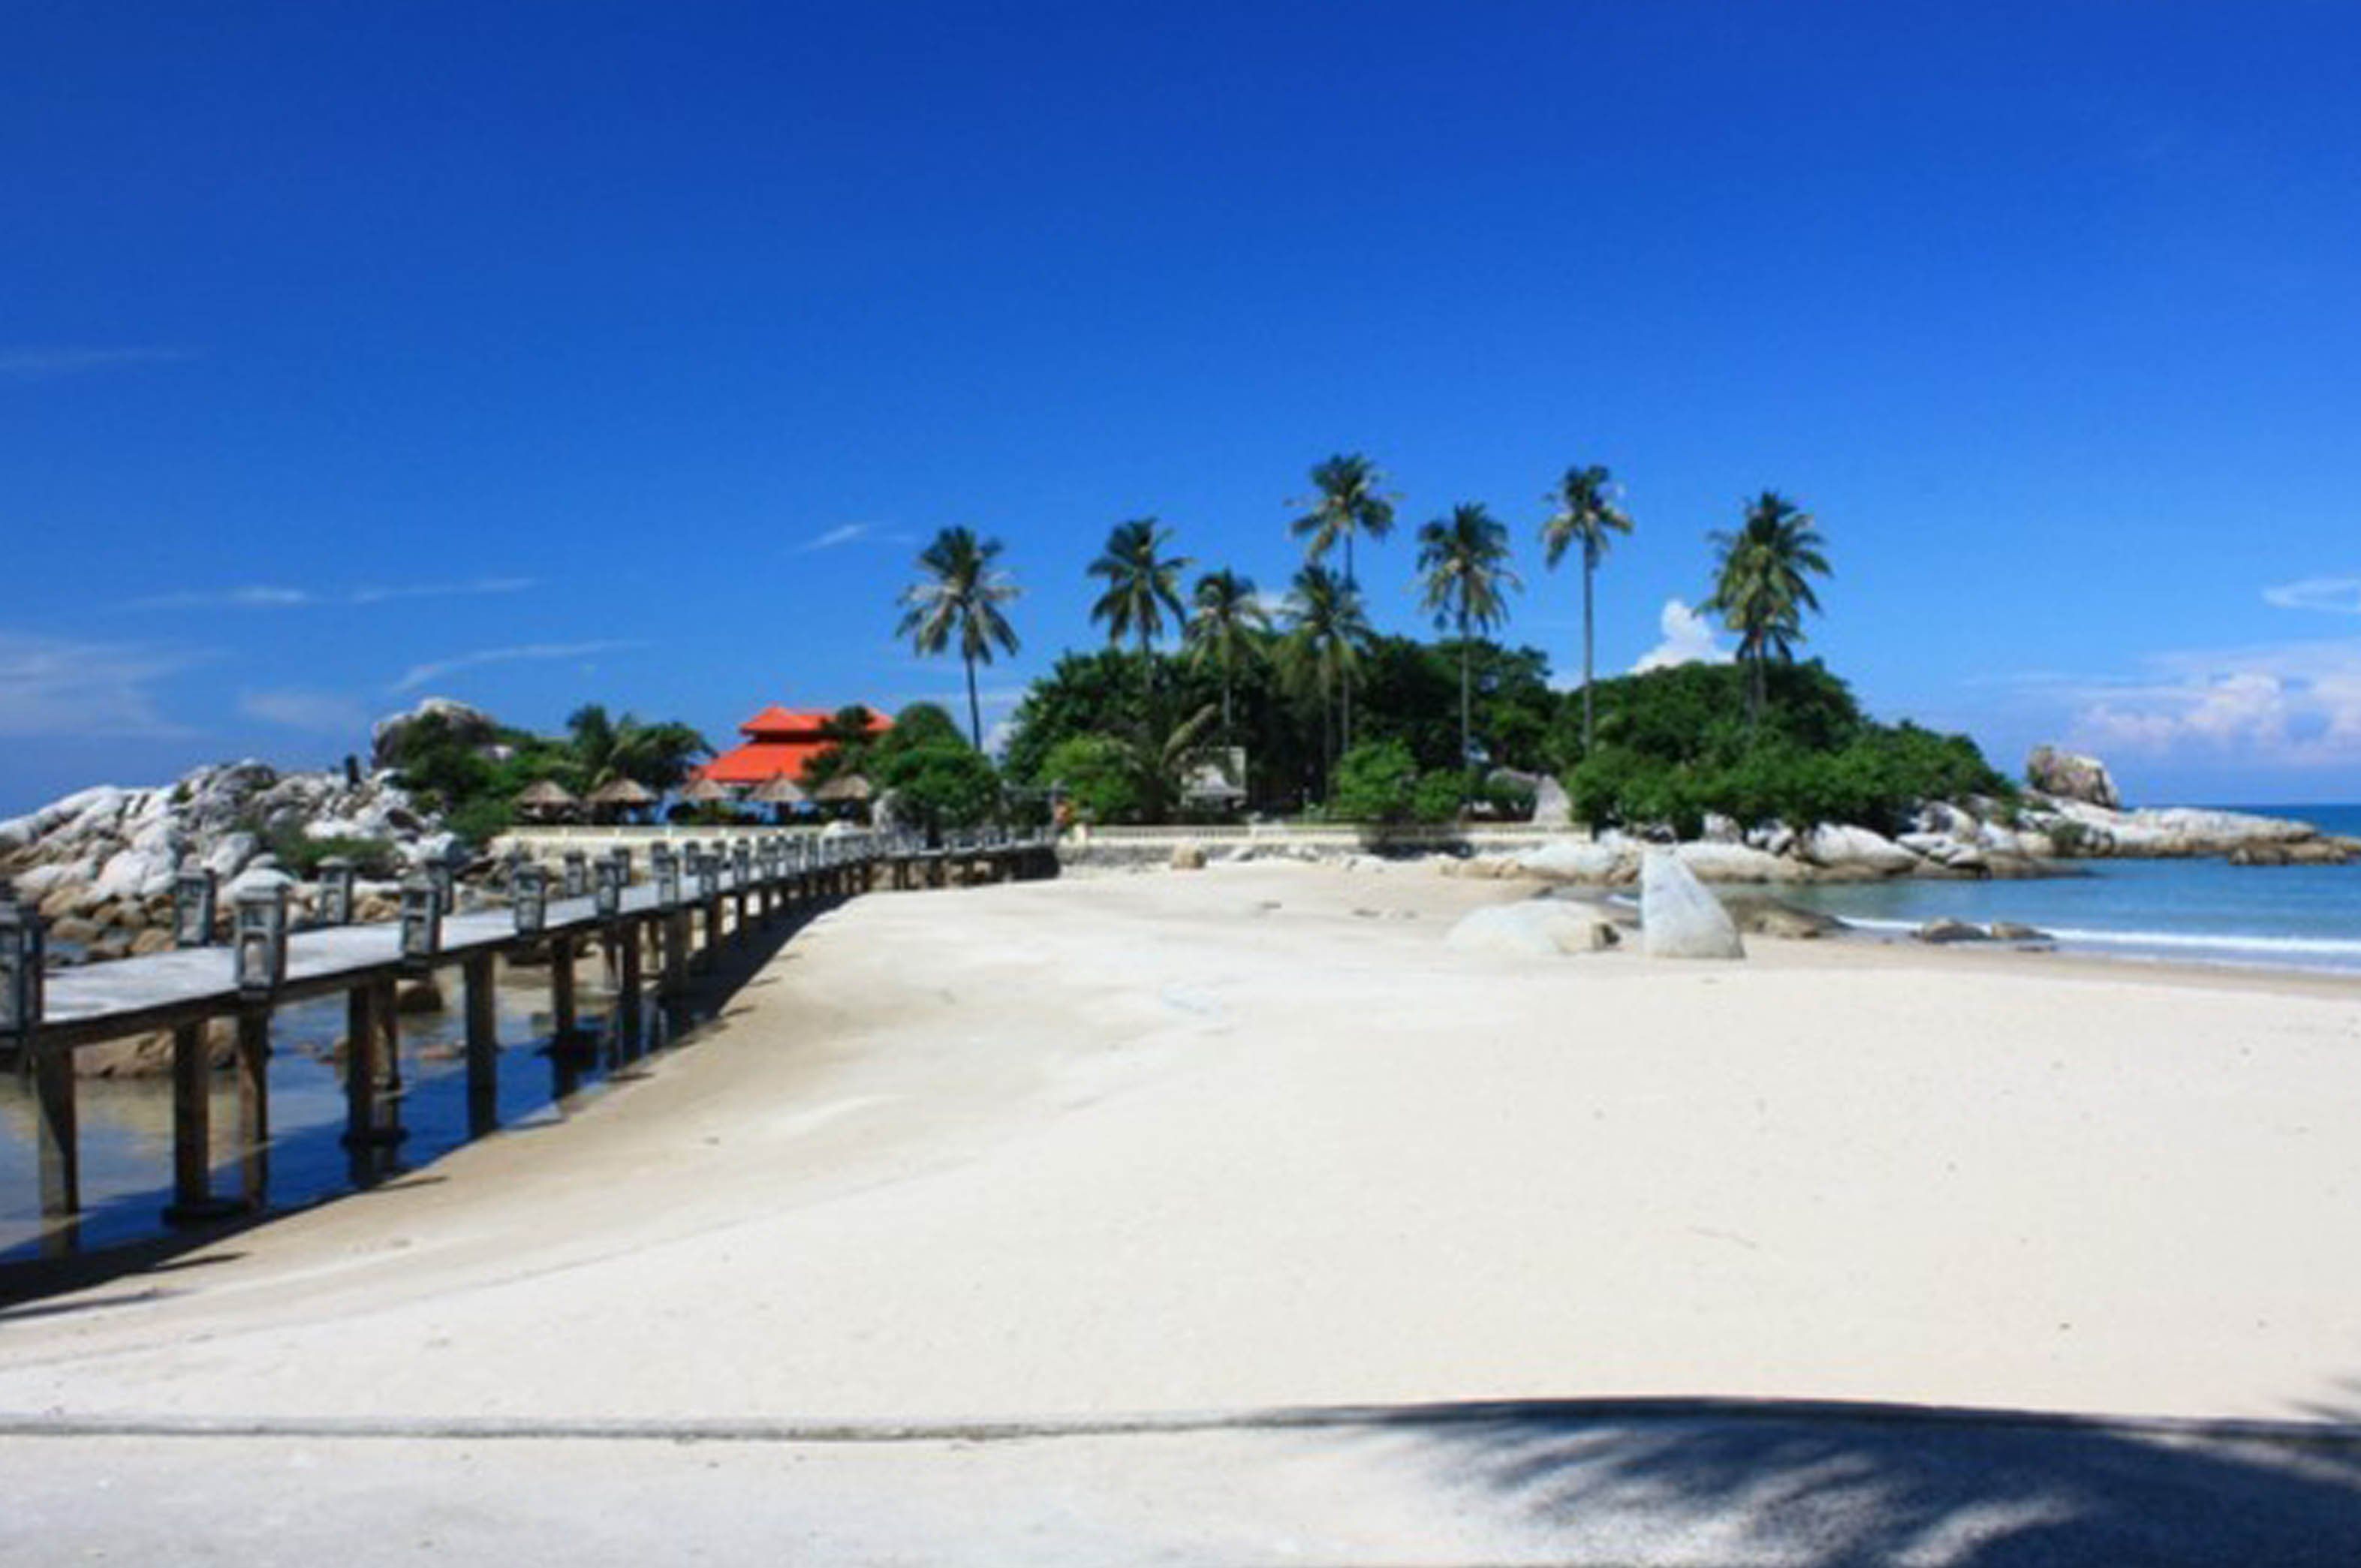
(1173,1143)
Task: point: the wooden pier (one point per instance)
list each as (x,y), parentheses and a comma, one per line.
(647,919)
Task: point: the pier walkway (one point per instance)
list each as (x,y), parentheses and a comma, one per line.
(646,930)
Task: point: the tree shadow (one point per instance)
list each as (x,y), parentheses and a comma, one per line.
(1836,1485)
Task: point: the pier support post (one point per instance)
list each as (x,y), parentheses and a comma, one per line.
(624,951)
(254,1104)
(193,1127)
(360,1066)
(60,1149)
(561,989)
(483,1044)
(712,930)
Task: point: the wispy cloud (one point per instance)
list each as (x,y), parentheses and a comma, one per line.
(65,686)
(40,364)
(316,713)
(436,669)
(1688,640)
(264,596)
(2339,594)
(2290,703)
(843,534)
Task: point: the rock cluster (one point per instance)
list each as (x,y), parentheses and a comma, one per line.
(101,863)
(2071,777)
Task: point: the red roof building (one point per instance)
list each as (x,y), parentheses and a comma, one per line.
(779,741)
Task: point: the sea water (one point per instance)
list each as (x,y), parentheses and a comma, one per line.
(2185,911)
(126,1125)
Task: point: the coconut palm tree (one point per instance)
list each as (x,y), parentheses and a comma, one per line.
(1463,559)
(1586,515)
(1347,503)
(1227,623)
(1762,585)
(657,756)
(961,594)
(1143,583)
(1326,634)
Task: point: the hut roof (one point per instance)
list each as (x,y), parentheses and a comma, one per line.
(844,786)
(622,792)
(547,792)
(705,792)
(779,790)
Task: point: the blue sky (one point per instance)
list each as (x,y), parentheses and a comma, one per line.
(538,353)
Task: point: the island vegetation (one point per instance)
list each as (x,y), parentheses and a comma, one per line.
(1324,716)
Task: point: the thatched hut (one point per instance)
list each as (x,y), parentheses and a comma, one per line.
(547,801)
(617,798)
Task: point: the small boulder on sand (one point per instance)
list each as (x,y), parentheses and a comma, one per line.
(1678,918)
(1188,857)
(1945,931)
(1535,928)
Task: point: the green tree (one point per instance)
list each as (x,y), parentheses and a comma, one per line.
(961,596)
(1346,502)
(1464,560)
(1326,634)
(1586,515)
(1142,587)
(1227,625)
(1762,585)
(939,784)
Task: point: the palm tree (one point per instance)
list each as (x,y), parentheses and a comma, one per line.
(1586,515)
(1142,585)
(1226,622)
(605,750)
(1325,636)
(1762,585)
(1464,560)
(1348,503)
(962,593)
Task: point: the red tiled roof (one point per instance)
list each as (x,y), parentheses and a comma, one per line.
(786,723)
(780,740)
(759,761)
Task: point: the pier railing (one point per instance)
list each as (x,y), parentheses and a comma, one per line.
(642,909)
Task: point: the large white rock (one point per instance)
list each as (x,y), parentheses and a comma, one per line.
(136,873)
(1678,918)
(1840,845)
(1565,860)
(2072,777)
(229,854)
(1738,862)
(1552,807)
(1538,927)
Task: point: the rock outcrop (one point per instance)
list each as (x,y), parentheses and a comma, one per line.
(2072,777)
(1678,918)
(468,725)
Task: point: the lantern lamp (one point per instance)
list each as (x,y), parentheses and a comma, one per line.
(421,922)
(528,901)
(259,929)
(194,895)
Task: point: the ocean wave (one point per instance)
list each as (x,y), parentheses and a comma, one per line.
(2207,941)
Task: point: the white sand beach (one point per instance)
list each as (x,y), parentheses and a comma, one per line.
(1256,1138)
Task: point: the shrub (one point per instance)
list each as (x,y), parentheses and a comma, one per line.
(1436,798)
(1100,778)
(1376,783)
(942,784)
(300,856)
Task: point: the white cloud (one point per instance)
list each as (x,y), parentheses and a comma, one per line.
(2293,704)
(436,669)
(317,713)
(60,686)
(269,597)
(36,364)
(842,533)
(2340,595)
(1688,640)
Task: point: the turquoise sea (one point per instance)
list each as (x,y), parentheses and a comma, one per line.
(2288,918)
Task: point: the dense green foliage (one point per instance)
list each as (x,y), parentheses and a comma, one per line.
(475,783)
(940,784)
(300,856)
(1674,744)
(1381,781)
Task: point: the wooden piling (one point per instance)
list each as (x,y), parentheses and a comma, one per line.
(193,1124)
(361,1070)
(60,1148)
(623,947)
(254,1104)
(561,989)
(483,1043)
